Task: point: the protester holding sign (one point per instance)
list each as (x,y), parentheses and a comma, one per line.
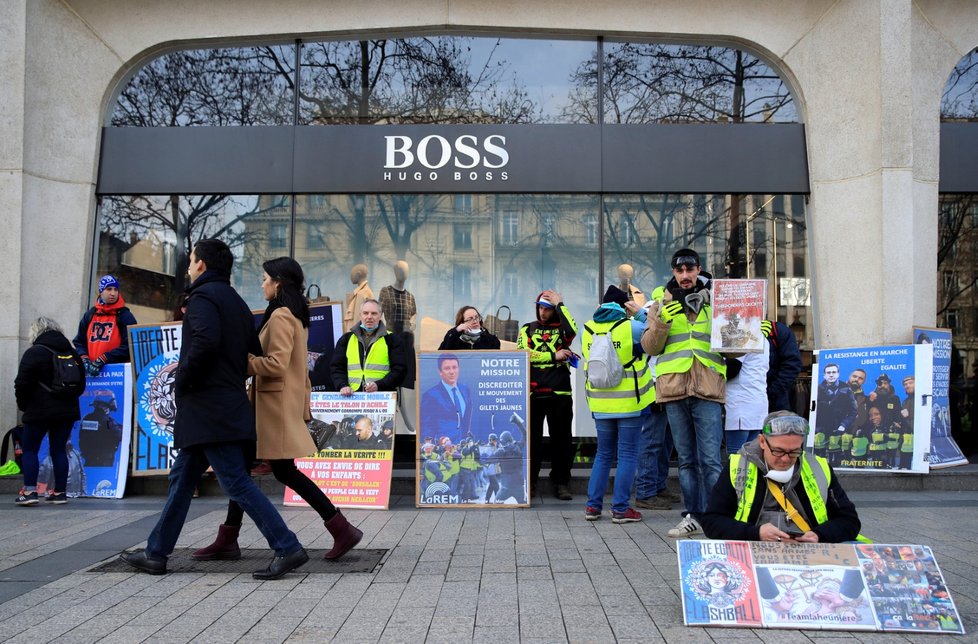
(368,358)
(102,333)
(775,491)
(281,395)
(49,403)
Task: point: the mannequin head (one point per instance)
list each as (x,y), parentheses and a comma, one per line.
(625,274)
(400,271)
(358,274)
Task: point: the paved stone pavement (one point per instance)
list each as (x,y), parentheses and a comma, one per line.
(542,574)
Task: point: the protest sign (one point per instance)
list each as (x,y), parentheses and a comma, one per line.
(738,308)
(472,446)
(155,351)
(98,447)
(871,407)
(944,451)
(356,448)
(813,586)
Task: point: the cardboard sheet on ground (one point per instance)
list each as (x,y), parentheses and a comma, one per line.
(472,446)
(843,587)
(355,459)
(871,407)
(98,447)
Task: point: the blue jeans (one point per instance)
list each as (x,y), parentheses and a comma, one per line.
(58,432)
(697,430)
(736,438)
(621,437)
(653,457)
(229,465)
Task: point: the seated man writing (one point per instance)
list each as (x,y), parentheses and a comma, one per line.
(773,490)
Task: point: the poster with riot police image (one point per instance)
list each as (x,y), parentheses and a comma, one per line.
(472,428)
(155,350)
(871,407)
(944,451)
(98,448)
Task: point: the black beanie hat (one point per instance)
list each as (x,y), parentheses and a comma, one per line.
(616,295)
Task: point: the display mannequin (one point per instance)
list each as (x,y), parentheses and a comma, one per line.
(625,275)
(400,309)
(355,300)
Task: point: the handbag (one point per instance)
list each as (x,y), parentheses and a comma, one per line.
(507,329)
(319,295)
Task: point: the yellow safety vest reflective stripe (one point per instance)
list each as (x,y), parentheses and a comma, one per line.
(816,480)
(376,364)
(685,343)
(636,391)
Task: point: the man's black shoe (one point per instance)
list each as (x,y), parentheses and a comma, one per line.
(142,561)
(563,493)
(280,566)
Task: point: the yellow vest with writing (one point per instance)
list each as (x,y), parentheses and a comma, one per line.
(636,390)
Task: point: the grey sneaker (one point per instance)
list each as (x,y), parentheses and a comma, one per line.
(686,528)
(653,503)
(670,496)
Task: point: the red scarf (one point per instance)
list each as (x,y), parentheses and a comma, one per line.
(103,334)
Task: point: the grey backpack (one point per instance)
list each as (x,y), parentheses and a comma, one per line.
(604,368)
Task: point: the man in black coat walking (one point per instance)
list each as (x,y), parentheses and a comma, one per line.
(215,423)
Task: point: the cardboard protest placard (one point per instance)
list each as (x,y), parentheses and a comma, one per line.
(871,407)
(824,586)
(738,309)
(355,459)
(944,451)
(473,446)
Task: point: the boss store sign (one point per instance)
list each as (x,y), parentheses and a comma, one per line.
(448,159)
(684,158)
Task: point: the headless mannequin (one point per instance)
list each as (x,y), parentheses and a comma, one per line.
(625,275)
(399,307)
(355,300)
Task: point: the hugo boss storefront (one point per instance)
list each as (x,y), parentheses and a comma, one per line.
(498,149)
(496,167)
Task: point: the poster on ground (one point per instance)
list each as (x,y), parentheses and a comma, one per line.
(871,407)
(155,351)
(814,586)
(354,463)
(738,309)
(944,451)
(98,449)
(472,446)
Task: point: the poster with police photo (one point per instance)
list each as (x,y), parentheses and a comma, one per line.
(155,351)
(871,407)
(944,452)
(472,428)
(98,449)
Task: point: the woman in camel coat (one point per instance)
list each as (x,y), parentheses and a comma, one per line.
(281,396)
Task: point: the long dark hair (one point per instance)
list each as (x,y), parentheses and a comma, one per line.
(287,272)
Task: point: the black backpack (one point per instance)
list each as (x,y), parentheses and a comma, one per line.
(67,375)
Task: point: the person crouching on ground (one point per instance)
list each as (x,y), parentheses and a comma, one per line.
(793,483)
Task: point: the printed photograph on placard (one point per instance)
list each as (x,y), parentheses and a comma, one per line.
(907,589)
(472,442)
(738,309)
(871,407)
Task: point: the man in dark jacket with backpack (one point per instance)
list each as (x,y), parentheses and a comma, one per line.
(103,336)
(48,383)
(215,423)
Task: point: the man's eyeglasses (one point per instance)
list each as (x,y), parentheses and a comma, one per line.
(780,453)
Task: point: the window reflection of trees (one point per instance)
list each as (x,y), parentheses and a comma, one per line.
(661,83)
(960,99)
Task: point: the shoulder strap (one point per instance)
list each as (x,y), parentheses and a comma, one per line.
(789,509)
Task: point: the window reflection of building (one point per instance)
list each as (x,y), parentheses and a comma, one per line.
(590,230)
(509,228)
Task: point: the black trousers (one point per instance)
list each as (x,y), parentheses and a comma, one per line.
(558,412)
(286,472)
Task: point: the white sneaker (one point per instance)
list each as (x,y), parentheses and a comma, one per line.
(686,528)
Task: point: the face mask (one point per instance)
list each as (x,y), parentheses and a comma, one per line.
(367,328)
(475,332)
(781,476)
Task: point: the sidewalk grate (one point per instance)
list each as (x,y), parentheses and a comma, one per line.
(363,561)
